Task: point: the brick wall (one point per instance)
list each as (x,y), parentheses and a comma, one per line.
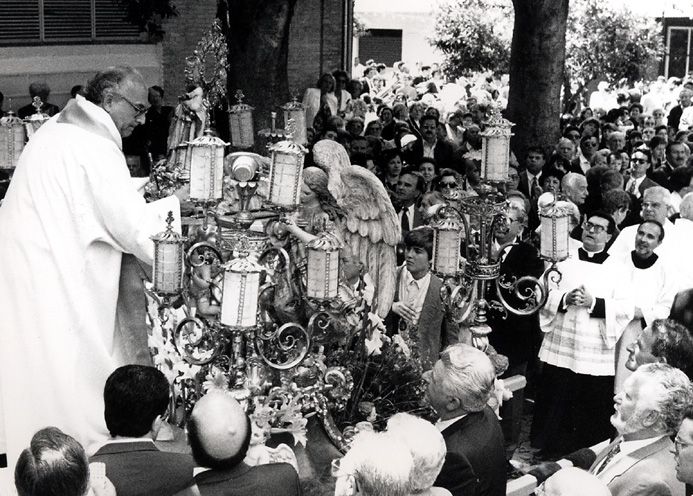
(316,42)
(182,34)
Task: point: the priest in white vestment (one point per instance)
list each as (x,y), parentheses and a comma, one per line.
(648,283)
(70,213)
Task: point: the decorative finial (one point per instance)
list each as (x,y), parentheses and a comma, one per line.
(290,128)
(169,221)
(239,96)
(37,104)
(274,121)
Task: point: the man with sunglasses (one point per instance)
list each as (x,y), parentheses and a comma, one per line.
(640,161)
(71,213)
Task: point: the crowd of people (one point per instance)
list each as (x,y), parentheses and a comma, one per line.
(609,357)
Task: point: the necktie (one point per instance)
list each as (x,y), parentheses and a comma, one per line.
(610,456)
(405,220)
(631,188)
(533,188)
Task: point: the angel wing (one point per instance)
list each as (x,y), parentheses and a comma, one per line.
(372,229)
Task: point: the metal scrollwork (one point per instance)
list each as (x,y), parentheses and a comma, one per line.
(196,342)
(283,347)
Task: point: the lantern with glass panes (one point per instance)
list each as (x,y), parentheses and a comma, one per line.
(464,251)
(241,123)
(168,268)
(12,137)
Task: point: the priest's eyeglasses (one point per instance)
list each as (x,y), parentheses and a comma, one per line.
(138,108)
(588,226)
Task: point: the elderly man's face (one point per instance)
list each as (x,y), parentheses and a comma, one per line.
(616,142)
(577,192)
(654,207)
(434,393)
(683,452)
(640,351)
(127,105)
(566,149)
(632,405)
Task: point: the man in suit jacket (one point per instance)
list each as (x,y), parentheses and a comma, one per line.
(136,398)
(648,411)
(682,308)
(677,154)
(518,337)
(459,387)
(529,178)
(417,304)
(219,432)
(430,146)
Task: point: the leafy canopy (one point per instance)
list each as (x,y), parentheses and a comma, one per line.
(609,43)
(601,41)
(474,35)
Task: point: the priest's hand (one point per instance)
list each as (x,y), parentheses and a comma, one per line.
(404,311)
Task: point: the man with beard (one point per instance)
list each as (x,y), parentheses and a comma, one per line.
(648,411)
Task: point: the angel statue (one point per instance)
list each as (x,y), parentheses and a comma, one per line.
(354,205)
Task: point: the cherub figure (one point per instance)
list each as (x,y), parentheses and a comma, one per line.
(352,203)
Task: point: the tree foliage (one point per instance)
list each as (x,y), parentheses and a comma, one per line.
(601,41)
(149,15)
(609,43)
(474,35)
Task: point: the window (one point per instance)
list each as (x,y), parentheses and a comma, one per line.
(64,21)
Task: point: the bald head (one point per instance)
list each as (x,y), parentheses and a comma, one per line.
(573,481)
(219,431)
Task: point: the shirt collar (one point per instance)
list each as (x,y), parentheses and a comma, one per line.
(628,447)
(420,283)
(444,424)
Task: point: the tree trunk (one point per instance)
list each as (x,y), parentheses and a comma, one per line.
(537,61)
(257,34)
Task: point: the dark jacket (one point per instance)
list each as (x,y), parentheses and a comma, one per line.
(476,438)
(274,479)
(516,335)
(435,330)
(139,468)
(443,154)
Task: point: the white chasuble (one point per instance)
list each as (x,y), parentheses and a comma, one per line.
(70,213)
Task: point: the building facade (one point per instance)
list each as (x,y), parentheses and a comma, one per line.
(65,42)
